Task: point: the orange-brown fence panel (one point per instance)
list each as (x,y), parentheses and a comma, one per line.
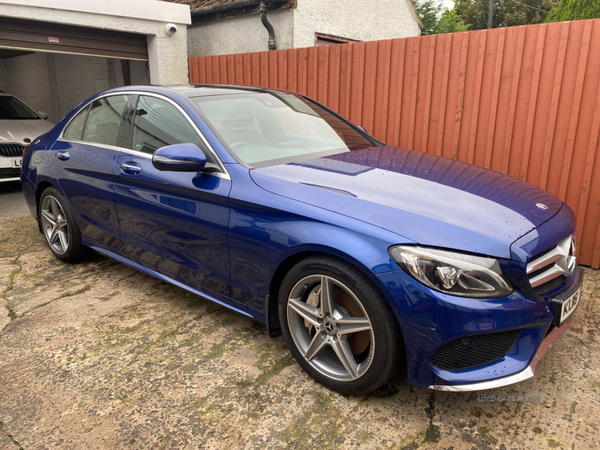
(521,100)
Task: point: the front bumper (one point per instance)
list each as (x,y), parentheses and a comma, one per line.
(10,168)
(546,345)
(430,320)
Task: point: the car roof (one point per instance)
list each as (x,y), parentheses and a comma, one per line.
(205,90)
(197,90)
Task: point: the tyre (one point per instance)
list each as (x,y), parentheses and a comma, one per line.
(338,326)
(59,227)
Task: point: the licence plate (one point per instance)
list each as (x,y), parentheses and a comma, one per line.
(569,306)
(16,162)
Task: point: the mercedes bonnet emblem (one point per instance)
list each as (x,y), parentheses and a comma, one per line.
(541,206)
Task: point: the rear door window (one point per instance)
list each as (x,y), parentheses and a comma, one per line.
(104,120)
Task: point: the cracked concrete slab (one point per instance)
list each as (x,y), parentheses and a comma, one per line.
(96,355)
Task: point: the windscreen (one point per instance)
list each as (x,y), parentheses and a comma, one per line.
(14,109)
(262,129)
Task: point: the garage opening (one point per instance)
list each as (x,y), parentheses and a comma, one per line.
(53,67)
(52,37)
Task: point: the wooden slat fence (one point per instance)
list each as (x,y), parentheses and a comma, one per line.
(520,100)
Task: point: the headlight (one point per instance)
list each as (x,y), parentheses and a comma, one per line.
(453,273)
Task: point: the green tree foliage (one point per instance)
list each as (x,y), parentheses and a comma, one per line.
(575,10)
(450,22)
(437,19)
(507,13)
(429,12)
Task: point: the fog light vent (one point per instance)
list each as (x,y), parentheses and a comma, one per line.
(476,350)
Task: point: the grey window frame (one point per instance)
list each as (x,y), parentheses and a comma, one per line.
(223,173)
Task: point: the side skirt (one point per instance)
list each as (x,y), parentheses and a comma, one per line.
(227,302)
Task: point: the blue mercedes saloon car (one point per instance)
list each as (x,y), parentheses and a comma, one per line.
(369,259)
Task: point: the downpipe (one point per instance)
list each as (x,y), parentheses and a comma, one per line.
(265,21)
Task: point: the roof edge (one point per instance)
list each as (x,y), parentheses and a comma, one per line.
(238,4)
(415,13)
(132,9)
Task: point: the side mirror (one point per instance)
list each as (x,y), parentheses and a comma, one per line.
(43,114)
(179,158)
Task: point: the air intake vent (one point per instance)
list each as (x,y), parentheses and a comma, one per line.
(548,270)
(11,150)
(10,173)
(473,351)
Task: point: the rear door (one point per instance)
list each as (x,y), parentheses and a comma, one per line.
(83,160)
(175,222)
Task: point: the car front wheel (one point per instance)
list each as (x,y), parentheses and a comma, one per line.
(338,326)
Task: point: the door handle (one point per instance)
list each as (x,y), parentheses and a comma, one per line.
(63,155)
(131,168)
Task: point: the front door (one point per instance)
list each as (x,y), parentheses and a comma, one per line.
(175,222)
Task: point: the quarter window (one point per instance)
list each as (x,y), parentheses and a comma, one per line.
(158,123)
(74,130)
(104,120)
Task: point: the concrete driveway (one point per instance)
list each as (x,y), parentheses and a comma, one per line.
(99,356)
(12,202)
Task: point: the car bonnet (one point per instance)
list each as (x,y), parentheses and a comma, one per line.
(15,131)
(428,199)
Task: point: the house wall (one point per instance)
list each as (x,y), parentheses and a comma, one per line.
(56,83)
(167,54)
(353,19)
(296,27)
(242,34)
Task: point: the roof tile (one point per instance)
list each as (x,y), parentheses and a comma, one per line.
(196,4)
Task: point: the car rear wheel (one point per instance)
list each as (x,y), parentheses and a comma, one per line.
(59,227)
(338,326)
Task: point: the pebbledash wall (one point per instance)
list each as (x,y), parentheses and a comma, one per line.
(521,100)
(243,34)
(296,27)
(354,19)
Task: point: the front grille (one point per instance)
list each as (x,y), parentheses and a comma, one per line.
(540,270)
(549,286)
(10,173)
(548,270)
(11,149)
(474,351)
(545,252)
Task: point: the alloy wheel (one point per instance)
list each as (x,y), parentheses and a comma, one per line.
(330,328)
(54,224)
